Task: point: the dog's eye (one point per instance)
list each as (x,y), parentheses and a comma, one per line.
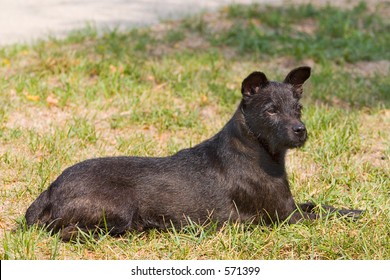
(272,111)
(298,110)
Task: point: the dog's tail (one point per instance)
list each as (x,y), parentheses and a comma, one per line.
(39,211)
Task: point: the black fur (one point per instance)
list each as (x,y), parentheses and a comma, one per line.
(237,175)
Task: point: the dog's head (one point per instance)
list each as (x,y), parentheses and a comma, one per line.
(272,110)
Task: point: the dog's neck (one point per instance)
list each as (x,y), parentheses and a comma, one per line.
(239,128)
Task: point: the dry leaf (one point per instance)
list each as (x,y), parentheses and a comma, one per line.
(32,97)
(204,99)
(121,69)
(52,100)
(112,68)
(6,62)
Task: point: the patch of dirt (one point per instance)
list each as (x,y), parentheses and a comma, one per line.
(285,64)
(308,26)
(370,68)
(209,112)
(39,118)
(304,171)
(44,120)
(375,135)
(193,41)
(214,22)
(160,30)
(217,22)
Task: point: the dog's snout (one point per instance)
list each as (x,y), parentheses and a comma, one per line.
(299,129)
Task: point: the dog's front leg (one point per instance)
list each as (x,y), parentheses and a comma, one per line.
(299,216)
(310,207)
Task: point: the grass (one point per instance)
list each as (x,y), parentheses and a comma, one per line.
(343,33)
(154,91)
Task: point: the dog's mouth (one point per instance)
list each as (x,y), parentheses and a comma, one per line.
(298,141)
(297,144)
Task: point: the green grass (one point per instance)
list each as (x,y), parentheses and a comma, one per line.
(346,35)
(154,91)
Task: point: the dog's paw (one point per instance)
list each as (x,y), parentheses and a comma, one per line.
(353,214)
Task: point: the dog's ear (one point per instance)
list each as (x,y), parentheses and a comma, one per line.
(253,83)
(297,77)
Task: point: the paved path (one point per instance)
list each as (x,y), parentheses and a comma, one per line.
(28,20)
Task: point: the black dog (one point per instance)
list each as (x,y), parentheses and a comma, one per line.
(237,175)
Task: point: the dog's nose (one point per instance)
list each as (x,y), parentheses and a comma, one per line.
(299,129)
